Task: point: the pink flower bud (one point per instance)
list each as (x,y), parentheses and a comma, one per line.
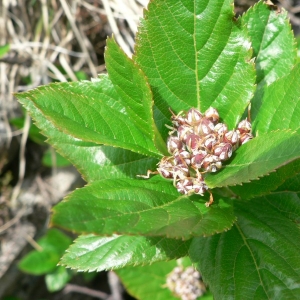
(210,141)
(212,114)
(184,131)
(174,144)
(205,127)
(182,158)
(244,126)
(193,141)
(184,186)
(232,137)
(211,163)
(221,129)
(197,159)
(191,185)
(245,137)
(178,120)
(223,151)
(166,166)
(193,117)
(199,186)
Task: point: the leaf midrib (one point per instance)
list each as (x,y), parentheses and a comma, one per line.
(252,255)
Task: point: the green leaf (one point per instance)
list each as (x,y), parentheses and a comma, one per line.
(150,208)
(95,253)
(257,158)
(272,40)
(292,184)
(196,55)
(267,183)
(52,158)
(93,161)
(134,279)
(90,111)
(56,280)
(131,84)
(4,49)
(53,245)
(289,208)
(258,258)
(280,107)
(273,47)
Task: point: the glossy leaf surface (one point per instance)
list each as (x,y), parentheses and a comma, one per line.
(280,107)
(95,253)
(258,258)
(151,208)
(257,158)
(90,111)
(273,46)
(56,280)
(267,183)
(93,161)
(196,55)
(272,41)
(148,282)
(53,245)
(134,90)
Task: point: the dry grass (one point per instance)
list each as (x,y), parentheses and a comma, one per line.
(56,40)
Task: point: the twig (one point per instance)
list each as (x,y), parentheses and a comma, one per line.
(72,288)
(115,286)
(78,36)
(114,28)
(22,163)
(33,243)
(12,221)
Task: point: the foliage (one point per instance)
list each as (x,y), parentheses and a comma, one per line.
(50,157)
(187,54)
(44,261)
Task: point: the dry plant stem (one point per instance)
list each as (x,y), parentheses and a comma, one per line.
(22,163)
(211,199)
(115,286)
(12,221)
(72,288)
(78,36)
(115,28)
(33,243)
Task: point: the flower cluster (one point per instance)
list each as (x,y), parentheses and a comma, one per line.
(186,283)
(199,143)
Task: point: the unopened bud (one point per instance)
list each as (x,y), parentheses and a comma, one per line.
(166,167)
(193,117)
(212,114)
(183,132)
(199,186)
(210,141)
(211,163)
(223,151)
(197,158)
(221,129)
(174,144)
(245,137)
(185,186)
(178,120)
(205,127)
(182,158)
(244,126)
(193,141)
(232,137)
